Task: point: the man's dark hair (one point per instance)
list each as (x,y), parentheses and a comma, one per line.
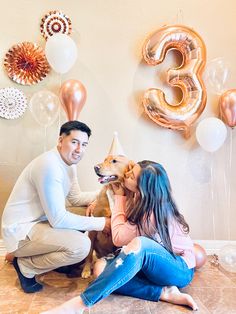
(69,126)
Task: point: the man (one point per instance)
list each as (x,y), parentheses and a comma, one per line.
(36,227)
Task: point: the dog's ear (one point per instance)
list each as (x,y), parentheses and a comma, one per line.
(130,166)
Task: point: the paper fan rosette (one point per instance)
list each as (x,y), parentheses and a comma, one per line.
(55,22)
(26,63)
(13,103)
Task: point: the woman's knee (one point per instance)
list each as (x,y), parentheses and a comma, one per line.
(134,246)
(99,267)
(138,244)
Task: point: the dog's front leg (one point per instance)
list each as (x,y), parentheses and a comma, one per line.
(87,269)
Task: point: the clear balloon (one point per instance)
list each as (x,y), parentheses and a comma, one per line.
(73,96)
(61,52)
(200,255)
(227,106)
(216,75)
(227,258)
(211,134)
(188,77)
(44,106)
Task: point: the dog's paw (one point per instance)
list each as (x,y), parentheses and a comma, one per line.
(87,272)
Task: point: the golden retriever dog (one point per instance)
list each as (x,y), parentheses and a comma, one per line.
(111,170)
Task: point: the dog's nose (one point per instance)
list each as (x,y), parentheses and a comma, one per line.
(97,168)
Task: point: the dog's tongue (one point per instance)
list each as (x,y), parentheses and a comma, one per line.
(101,180)
(106,179)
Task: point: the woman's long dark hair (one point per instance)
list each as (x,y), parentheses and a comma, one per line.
(155,200)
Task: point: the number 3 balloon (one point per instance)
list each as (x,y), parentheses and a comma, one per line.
(187,77)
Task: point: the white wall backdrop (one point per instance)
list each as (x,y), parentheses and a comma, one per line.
(109,35)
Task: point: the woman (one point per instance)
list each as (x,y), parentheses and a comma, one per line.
(158,257)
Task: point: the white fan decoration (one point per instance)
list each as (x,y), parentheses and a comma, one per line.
(13,103)
(55,22)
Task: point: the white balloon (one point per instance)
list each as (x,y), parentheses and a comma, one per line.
(44,106)
(61,52)
(211,134)
(227,258)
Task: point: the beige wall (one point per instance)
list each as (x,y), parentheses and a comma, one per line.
(110,35)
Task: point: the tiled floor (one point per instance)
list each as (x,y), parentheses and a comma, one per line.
(213,289)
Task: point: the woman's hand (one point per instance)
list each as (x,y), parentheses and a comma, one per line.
(118,189)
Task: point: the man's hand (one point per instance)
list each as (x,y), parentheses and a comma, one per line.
(107,227)
(90,208)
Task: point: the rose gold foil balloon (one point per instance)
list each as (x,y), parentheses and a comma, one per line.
(187,77)
(73,96)
(200,255)
(227,104)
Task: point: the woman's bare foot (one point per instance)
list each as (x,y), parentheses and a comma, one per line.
(73,306)
(173,295)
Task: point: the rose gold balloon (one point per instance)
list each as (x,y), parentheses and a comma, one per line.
(73,96)
(227,104)
(200,255)
(187,77)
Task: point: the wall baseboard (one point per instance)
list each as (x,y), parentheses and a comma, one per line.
(214,246)
(211,246)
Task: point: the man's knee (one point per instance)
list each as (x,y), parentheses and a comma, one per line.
(85,246)
(81,249)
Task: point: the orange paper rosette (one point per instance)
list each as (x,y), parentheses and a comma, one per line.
(26,63)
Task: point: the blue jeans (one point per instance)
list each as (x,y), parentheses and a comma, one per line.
(141,274)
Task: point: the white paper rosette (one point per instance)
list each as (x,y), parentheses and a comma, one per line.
(55,22)
(13,103)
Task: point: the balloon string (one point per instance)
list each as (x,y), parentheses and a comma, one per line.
(59,112)
(231,149)
(180,16)
(227,192)
(229,183)
(45,139)
(227,202)
(212,199)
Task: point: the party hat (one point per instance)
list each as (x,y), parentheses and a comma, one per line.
(116,148)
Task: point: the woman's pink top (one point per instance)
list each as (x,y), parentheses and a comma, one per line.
(123,232)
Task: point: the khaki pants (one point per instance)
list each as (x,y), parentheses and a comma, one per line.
(46,248)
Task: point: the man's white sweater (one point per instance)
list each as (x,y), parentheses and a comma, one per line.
(39,195)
